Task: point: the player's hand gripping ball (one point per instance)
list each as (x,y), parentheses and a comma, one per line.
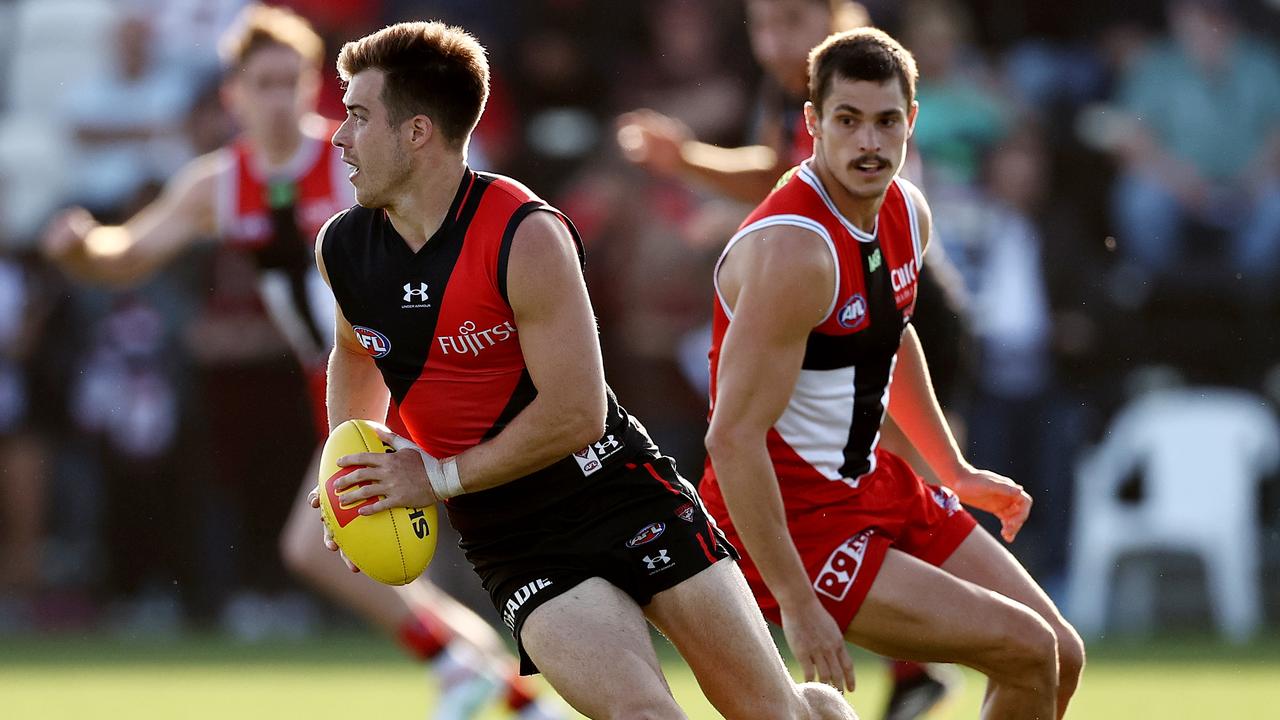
(393,546)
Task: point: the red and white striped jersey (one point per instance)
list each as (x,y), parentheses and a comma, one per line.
(824,442)
(275,218)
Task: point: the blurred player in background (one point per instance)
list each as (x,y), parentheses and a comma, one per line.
(814,297)
(580,529)
(782,33)
(268,193)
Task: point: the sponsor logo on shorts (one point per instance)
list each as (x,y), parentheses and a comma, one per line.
(647,534)
(608,445)
(588,461)
(685,512)
(658,563)
(519,598)
(945,499)
(853,314)
(374,342)
(842,567)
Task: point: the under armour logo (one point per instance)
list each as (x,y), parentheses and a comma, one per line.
(410,292)
(652,562)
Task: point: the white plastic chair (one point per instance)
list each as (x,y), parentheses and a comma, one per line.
(1201,453)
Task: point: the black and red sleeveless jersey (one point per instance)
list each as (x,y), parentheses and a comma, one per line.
(274,217)
(441,331)
(824,441)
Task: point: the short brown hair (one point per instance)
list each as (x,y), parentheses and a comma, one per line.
(431,69)
(861,54)
(259,26)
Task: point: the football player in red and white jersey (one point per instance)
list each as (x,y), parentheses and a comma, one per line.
(782,33)
(841,539)
(269,192)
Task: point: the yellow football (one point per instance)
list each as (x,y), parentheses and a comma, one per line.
(393,546)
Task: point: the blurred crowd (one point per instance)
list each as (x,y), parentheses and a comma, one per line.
(1104,178)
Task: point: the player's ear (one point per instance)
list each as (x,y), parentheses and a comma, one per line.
(420,130)
(912,112)
(811,119)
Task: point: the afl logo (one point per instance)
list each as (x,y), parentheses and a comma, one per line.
(854,312)
(374,342)
(647,534)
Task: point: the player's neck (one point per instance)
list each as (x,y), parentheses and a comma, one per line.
(278,150)
(420,208)
(861,211)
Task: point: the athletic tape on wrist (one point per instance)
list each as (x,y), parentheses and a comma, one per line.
(443,475)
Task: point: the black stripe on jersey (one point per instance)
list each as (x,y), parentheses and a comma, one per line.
(469,194)
(868,413)
(504,250)
(294,255)
(521,396)
(871,352)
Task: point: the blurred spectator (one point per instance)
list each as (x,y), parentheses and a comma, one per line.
(126,121)
(687,70)
(126,399)
(993,233)
(562,64)
(1200,150)
(782,32)
(963,112)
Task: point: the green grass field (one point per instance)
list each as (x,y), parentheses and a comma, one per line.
(351,675)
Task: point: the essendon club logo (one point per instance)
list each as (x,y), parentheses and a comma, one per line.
(842,567)
(685,512)
(374,342)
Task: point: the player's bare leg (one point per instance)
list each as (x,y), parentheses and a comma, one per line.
(731,652)
(916,611)
(981,559)
(464,651)
(592,644)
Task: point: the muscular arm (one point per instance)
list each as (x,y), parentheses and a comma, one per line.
(779,283)
(914,407)
(126,254)
(746,173)
(562,353)
(667,146)
(355,388)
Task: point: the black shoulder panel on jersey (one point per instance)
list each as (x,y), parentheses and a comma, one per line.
(522,212)
(335,248)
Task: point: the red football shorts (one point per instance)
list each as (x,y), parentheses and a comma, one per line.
(843,545)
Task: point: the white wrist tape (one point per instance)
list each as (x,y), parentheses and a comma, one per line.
(443,475)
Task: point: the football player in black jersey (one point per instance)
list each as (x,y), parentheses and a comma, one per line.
(579,528)
(255,194)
